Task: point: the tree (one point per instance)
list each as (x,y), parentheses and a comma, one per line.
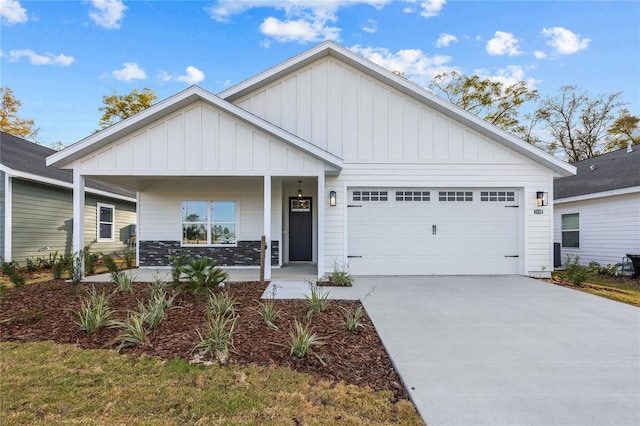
(577,123)
(118,107)
(624,129)
(10,122)
(488,99)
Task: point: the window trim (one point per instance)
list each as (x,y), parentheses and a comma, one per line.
(209,224)
(112,238)
(563,230)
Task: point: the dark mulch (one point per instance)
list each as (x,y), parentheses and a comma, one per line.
(44,311)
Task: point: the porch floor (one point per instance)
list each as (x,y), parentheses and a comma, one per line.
(291,272)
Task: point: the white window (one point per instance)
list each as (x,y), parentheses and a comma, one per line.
(497,196)
(455,196)
(571,230)
(209,223)
(413,196)
(370,195)
(106,222)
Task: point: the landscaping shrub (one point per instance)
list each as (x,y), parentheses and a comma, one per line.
(340,275)
(199,276)
(318,301)
(132,331)
(217,340)
(94,312)
(302,340)
(13,272)
(60,264)
(110,263)
(575,272)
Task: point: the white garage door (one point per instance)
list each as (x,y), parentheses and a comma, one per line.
(433,231)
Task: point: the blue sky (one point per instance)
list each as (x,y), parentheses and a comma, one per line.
(61,57)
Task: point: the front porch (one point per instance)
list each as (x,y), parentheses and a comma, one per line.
(291,272)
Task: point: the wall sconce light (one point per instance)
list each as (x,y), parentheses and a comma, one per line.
(542,199)
(332,198)
(299,189)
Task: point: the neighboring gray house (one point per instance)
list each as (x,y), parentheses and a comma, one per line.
(597,211)
(333,159)
(36,206)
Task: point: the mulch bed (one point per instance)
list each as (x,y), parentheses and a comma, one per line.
(44,311)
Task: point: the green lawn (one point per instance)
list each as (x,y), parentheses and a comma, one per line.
(621,290)
(46,383)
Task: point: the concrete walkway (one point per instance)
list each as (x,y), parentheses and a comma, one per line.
(509,350)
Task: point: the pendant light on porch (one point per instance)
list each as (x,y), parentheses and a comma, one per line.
(299,190)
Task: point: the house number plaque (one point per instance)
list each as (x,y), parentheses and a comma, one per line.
(538,211)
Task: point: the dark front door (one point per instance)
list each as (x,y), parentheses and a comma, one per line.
(300,229)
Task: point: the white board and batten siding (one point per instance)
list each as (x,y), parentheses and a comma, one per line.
(388,139)
(609,228)
(200,140)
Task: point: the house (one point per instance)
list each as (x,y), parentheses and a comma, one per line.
(335,161)
(597,211)
(36,206)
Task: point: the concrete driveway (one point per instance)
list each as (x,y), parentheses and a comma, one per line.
(509,350)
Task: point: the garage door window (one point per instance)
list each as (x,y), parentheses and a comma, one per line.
(455,196)
(413,196)
(370,195)
(571,230)
(489,196)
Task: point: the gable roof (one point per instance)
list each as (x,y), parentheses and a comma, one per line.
(173,104)
(607,172)
(403,85)
(26,159)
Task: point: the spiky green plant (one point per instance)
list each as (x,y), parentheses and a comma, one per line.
(154,312)
(132,331)
(221,304)
(123,280)
(269,313)
(217,339)
(352,318)
(302,340)
(94,312)
(317,301)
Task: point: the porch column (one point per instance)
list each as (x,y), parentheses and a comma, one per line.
(267,226)
(322,200)
(78,213)
(8,213)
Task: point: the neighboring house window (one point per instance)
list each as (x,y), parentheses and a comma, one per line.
(571,230)
(208,222)
(106,222)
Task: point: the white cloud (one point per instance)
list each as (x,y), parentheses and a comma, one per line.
(503,44)
(107,13)
(193,76)
(130,71)
(36,59)
(413,63)
(509,76)
(446,39)
(11,12)
(565,42)
(539,54)
(299,30)
(370,27)
(304,21)
(431,8)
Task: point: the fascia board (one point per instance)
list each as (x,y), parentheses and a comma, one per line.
(595,195)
